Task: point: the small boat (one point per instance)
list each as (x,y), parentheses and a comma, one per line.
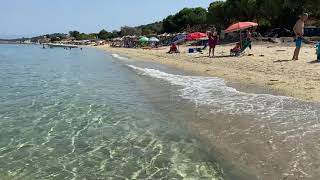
(51,45)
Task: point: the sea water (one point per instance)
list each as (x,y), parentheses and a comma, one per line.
(72,114)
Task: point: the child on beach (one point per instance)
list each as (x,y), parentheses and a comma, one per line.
(173,49)
(236,49)
(212,42)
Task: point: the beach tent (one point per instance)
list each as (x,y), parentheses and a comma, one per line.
(240,26)
(143,39)
(153,39)
(196,35)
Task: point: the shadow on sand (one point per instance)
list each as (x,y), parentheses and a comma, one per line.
(314,62)
(284,60)
(206,56)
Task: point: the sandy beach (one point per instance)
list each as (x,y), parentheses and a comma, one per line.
(270,66)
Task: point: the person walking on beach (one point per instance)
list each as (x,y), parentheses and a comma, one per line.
(298,30)
(212,42)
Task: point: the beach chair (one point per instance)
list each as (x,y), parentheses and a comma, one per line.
(245,45)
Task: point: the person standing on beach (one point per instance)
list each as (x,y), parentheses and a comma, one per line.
(249,38)
(212,42)
(298,30)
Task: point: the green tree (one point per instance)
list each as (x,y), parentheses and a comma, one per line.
(193,17)
(169,25)
(217,15)
(126,30)
(75,34)
(103,34)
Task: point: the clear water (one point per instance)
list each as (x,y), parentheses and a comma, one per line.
(271,137)
(89,115)
(82,114)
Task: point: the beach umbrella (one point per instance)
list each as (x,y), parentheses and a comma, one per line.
(154,39)
(179,38)
(196,35)
(240,26)
(144,39)
(204,39)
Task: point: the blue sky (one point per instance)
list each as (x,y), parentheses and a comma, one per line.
(35,17)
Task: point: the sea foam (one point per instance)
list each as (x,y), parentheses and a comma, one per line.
(117,56)
(214,92)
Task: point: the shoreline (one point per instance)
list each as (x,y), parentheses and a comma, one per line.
(270,68)
(247,134)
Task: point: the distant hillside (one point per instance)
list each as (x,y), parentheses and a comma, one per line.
(153,28)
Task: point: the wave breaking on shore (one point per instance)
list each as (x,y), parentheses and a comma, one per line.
(282,127)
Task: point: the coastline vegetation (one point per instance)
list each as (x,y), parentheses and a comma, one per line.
(267,13)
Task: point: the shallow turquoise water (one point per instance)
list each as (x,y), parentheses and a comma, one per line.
(90,115)
(82,114)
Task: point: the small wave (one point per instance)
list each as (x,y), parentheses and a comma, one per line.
(117,56)
(222,98)
(284,122)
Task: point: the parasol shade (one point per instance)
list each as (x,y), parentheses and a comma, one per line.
(240,26)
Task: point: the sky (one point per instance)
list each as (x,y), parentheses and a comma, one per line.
(36,17)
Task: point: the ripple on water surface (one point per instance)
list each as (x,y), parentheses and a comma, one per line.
(76,114)
(273,136)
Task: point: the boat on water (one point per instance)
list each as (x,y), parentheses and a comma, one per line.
(52,45)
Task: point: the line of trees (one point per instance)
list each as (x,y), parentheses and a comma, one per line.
(220,14)
(82,36)
(268,13)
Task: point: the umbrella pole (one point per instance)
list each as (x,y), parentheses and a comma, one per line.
(240,40)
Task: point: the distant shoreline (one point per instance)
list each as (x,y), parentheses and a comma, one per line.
(7,42)
(12,42)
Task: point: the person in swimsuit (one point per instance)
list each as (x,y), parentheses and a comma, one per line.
(298,30)
(212,42)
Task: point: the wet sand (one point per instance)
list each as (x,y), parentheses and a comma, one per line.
(250,133)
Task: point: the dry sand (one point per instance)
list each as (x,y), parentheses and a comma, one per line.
(270,66)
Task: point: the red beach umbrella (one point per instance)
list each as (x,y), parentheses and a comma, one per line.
(196,35)
(240,26)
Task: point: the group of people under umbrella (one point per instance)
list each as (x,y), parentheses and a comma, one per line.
(213,38)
